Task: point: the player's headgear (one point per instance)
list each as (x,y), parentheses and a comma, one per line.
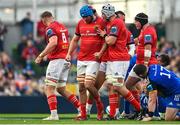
(93,9)
(108,10)
(142,18)
(86,11)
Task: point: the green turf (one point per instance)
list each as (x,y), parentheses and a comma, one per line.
(66,119)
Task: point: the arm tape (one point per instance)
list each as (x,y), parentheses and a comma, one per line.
(132,49)
(147,53)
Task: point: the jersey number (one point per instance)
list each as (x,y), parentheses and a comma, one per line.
(164,73)
(64,38)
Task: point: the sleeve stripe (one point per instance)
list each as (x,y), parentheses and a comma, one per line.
(113,35)
(148,43)
(78,34)
(51,35)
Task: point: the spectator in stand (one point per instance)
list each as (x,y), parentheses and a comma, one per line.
(26,25)
(3,30)
(40,44)
(30,52)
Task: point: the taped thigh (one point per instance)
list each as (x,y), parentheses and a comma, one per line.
(61,83)
(51,82)
(81,79)
(90,78)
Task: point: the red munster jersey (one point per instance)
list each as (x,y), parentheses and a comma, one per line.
(147,36)
(118,51)
(61,32)
(130,39)
(91,42)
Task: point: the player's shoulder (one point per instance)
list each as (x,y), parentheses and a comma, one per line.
(118,21)
(81,22)
(149,29)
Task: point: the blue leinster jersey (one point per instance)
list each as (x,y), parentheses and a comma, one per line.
(131,64)
(163,80)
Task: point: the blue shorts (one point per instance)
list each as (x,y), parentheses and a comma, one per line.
(173,101)
(162,103)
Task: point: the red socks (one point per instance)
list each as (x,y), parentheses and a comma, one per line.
(113,102)
(98,99)
(90,101)
(83,110)
(52,102)
(129,97)
(73,99)
(136,95)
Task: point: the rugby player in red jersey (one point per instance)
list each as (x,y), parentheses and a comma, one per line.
(131,51)
(88,64)
(118,59)
(146,49)
(58,67)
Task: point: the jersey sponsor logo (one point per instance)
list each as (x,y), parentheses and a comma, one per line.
(49,32)
(147,38)
(63,30)
(114,30)
(88,33)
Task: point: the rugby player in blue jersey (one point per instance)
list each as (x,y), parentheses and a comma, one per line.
(161,82)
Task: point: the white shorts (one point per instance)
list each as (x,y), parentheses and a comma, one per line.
(87,68)
(58,69)
(117,69)
(133,74)
(103,67)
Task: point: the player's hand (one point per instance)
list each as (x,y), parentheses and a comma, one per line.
(38,59)
(145,119)
(136,41)
(68,58)
(98,55)
(101,32)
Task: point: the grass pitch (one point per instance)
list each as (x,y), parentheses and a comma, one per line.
(67,119)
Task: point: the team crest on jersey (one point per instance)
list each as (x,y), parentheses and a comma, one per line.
(49,32)
(147,38)
(114,29)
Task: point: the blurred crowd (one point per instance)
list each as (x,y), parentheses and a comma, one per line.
(169,48)
(20,76)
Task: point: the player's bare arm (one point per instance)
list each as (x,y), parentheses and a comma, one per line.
(99,54)
(72,46)
(49,48)
(151,105)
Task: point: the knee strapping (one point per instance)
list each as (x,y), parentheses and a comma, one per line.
(111,79)
(114,81)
